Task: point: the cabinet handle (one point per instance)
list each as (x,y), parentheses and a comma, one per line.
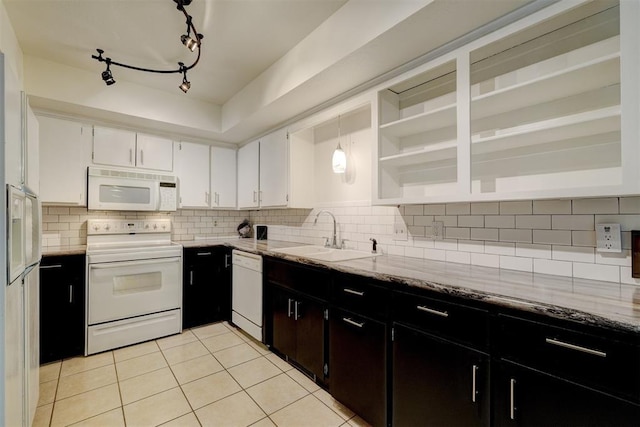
(70,294)
(226,260)
(474,392)
(46,267)
(204,253)
(351,322)
(563,344)
(289,307)
(512,398)
(354,292)
(260,195)
(130,156)
(255,196)
(206,197)
(432,311)
(191,277)
(141,157)
(296,304)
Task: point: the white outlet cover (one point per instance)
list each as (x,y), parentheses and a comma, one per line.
(437,228)
(608,238)
(400,231)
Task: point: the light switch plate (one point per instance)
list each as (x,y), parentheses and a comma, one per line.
(437,229)
(399,228)
(608,238)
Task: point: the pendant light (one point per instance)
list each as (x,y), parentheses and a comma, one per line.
(339,159)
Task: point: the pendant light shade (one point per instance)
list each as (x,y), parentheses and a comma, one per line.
(339,158)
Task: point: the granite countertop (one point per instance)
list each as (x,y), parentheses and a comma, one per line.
(590,302)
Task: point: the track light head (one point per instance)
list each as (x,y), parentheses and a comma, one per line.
(107,76)
(185,85)
(190,43)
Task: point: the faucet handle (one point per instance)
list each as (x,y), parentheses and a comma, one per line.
(326,242)
(342,243)
(374,248)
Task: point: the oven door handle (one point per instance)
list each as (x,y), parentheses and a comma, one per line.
(119,264)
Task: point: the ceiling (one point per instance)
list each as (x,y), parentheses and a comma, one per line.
(243,39)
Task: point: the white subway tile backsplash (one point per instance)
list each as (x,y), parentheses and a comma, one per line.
(516,208)
(607,273)
(529,250)
(490,234)
(552,237)
(542,236)
(485,208)
(516,263)
(457,233)
(533,221)
(500,221)
(573,253)
(558,268)
(552,206)
(485,260)
(500,248)
(573,222)
(458,209)
(476,221)
(512,235)
(596,206)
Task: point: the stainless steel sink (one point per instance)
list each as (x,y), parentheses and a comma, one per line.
(322,253)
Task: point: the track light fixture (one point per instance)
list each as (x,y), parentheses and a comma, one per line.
(191,42)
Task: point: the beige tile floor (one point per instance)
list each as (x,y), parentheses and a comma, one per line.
(208,376)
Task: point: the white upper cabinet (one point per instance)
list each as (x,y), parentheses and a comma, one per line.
(223,177)
(249,175)
(274,169)
(537,109)
(13,135)
(118,147)
(32,161)
(154,152)
(64,157)
(192,169)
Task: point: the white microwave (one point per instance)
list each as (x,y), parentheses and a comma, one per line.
(130,190)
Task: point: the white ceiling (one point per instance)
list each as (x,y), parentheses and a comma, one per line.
(242,40)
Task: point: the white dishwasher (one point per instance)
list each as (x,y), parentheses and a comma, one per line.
(246,295)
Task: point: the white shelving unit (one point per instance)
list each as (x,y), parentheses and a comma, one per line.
(538,109)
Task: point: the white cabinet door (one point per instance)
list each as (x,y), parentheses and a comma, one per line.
(115,147)
(248,175)
(154,152)
(192,169)
(13,149)
(63,161)
(32,161)
(274,169)
(223,177)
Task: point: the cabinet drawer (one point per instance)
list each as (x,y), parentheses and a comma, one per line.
(308,280)
(458,323)
(360,295)
(593,360)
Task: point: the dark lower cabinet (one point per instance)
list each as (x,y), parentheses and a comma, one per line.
(438,383)
(526,397)
(62,307)
(206,292)
(298,328)
(358,364)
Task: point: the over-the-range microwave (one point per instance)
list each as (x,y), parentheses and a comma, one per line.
(130,190)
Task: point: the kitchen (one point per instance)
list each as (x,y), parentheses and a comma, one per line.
(539,224)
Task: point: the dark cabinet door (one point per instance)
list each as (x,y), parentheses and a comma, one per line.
(525,397)
(206,295)
(436,382)
(283,322)
(309,316)
(358,365)
(62,302)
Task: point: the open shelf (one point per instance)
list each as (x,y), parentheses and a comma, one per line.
(432,152)
(427,121)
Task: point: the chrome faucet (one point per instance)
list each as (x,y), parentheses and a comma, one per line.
(334,240)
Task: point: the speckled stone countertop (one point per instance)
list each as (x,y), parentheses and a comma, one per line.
(604,304)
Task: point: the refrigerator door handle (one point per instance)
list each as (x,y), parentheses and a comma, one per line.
(36,221)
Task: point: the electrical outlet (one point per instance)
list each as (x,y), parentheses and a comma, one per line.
(437,230)
(608,238)
(399,228)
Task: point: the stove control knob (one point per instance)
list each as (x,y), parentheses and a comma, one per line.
(146,226)
(96,227)
(107,227)
(155,226)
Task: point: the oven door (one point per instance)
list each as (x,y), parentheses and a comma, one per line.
(119,290)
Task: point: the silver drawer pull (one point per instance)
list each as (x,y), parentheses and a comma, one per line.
(474,392)
(512,399)
(432,311)
(354,292)
(204,253)
(46,267)
(351,322)
(575,347)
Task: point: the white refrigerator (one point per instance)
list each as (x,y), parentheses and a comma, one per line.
(22,231)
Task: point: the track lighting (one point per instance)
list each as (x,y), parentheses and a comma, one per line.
(192,43)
